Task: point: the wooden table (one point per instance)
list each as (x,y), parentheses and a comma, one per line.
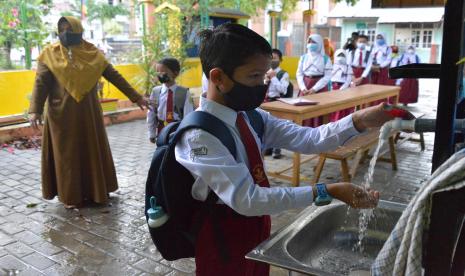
(328,103)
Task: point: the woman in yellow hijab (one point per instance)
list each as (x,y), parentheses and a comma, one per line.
(77,164)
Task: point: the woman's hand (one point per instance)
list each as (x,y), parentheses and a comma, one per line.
(353,195)
(142,102)
(35,119)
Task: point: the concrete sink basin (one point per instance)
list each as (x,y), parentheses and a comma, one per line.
(322,240)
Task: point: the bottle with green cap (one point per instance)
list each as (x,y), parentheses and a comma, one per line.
(157,217)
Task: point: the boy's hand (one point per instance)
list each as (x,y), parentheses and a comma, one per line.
(353,195)
(374,116)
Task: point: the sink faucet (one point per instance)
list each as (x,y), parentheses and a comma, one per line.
(416,125)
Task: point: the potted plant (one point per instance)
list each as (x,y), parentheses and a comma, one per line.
(107,104)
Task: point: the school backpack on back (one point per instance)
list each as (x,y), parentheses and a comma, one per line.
(290,87)
(171,184)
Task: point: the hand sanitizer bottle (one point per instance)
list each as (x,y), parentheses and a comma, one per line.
(157,217)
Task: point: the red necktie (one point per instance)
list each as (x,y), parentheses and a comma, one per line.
(169,107)
(360,59)
(255,158)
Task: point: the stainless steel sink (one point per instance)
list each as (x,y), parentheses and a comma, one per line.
(322,240)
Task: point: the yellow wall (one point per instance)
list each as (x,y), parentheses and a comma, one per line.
(16,86)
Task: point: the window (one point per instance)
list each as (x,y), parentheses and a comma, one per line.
(416,38)
(371,33)
(427,38)
(419,35)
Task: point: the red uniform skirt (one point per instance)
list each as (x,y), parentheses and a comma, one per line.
(341,113)
(408,91)
(381,77)
(358,71)
(309,83)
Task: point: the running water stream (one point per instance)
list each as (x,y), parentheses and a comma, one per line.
(366,214)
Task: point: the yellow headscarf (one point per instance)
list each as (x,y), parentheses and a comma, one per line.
(79,74)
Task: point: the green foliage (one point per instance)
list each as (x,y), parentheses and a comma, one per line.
(17,30)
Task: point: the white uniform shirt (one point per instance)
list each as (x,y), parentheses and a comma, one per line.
(383,56)
(313,66)
(152,117)
(204,83)
(355,60)
(342,73)
(278,87)
(214,168)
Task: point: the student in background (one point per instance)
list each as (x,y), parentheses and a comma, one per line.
(394,62)
(314,72)
(382,56)
(408,87)
(278,81)
(329,50)
(341,78)
(170,102)
(351,43)
(360,59)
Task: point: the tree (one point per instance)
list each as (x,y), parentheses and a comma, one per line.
(101,11)
(21,25)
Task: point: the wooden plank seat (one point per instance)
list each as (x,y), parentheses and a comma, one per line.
(356,148)
(404,136)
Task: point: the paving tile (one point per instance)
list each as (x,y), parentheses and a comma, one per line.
(38,261)
(19,249)
(27,237)
(46,248)
(10,262)
(150,266)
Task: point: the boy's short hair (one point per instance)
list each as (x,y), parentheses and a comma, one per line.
(228,46)
(278,52)
(363,36)
(355,34)
(171,63)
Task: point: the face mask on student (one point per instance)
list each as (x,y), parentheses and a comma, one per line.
(410,51)
(70,39)
(274,64)
(312,47)
(380,42)
(341,60)
(244,98)
(361,45)
(163,78)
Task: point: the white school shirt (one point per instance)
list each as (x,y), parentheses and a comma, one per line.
(342,73)
(152,117)
(214,168)
(355,61)
(204,83)
(313,66)
(278,87)
(383,56)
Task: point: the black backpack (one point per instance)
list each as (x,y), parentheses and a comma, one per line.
(171,184)
(290,87)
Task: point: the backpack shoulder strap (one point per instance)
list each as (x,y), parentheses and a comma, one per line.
(207,122)
(257,123)
(417,59)
(400,59)
(180,99)
(280,74)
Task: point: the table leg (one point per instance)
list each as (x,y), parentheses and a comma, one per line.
(296,170)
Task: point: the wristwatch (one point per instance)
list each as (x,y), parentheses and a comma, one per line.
(322,198)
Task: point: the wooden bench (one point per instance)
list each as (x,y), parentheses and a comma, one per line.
(356,148)
(410,136)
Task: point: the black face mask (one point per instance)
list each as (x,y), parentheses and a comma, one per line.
(244,98)
(274,64)
(70,39)
(163,78)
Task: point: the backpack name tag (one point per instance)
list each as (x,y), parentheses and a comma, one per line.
(198,152)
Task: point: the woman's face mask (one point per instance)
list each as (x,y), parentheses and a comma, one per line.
(274,64)
(244,98)
(380,41)
(312,47)
(411,51)
(68,38)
